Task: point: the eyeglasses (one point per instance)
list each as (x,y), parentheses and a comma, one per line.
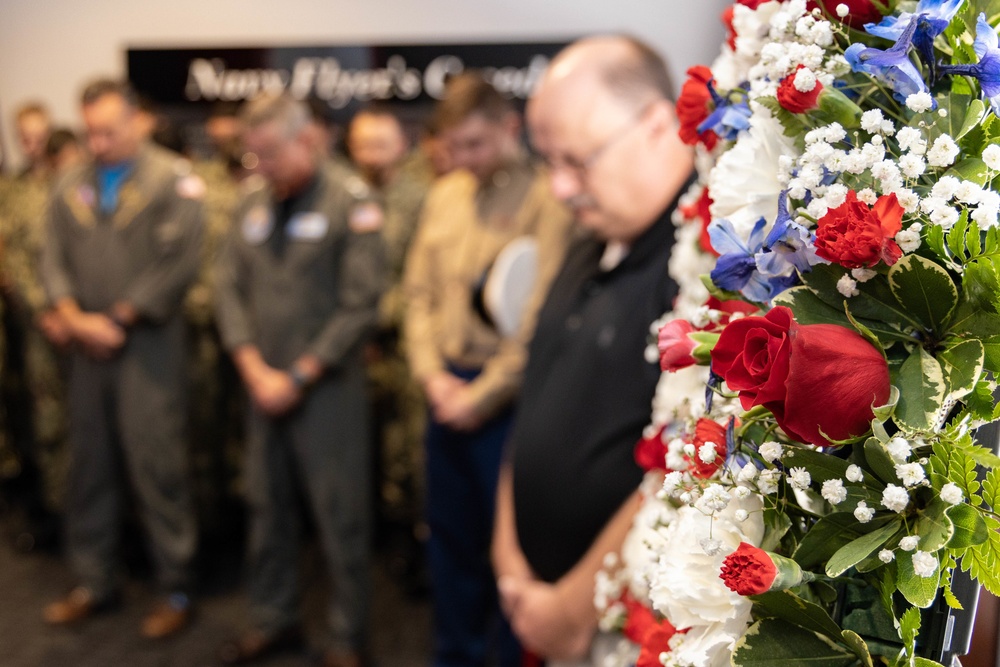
(581,168)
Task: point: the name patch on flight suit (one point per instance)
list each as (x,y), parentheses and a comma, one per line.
(307,226)
(257,225)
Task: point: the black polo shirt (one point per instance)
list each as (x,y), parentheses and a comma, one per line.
(587,396)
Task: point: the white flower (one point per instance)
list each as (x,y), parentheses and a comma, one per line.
(873,122)
(945,189)
(843,10)
(836,194)
(863,513)
(867,195)
(848,286)
(675,454)
(742,492)
(715,499)
(911,139)
(833,491)
(945,217)
(886,556)
(985,216)
(711,547)
(908,240)
(895,498)
(834,132)
(991,156)
(799,478)
(672,481)
(899,449)
(968,192)
(771,451)
(747,474)
(912,165)
(943,152)
(909,543)
(804,80)
(919,102)
(688,449)
(908,199)
(707,452)
(911,473)
(951,493)
(924,564)
(854,473)
(767,482)
(741,515)
(863,275)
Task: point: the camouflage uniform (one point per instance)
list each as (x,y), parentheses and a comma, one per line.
(398,403)
(35,384)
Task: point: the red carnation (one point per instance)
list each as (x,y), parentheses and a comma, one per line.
(818,380)
(792,99)
(856,235)
(748,570)
(701,210)
(650,452)
(651,634)
(694,105)
(707,430)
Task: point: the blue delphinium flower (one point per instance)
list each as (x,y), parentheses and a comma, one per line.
(728,119)
(987,70)
(892,66)
(736,268)
(788,247)
(932,16)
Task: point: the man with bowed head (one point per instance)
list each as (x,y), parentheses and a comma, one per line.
(603,119)
(298,283)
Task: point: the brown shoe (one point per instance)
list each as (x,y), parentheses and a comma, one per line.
(79,604)
(256,644)
(167,618)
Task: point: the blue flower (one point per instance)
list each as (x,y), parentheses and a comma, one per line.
(736,269)
(728,119)
(788,248)
(987,70)
(932,16)
(892,66)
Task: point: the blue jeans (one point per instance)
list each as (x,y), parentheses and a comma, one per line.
(462,471)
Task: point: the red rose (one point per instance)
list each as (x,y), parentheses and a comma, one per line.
(859,13)
(748,570)
(652,634)
(675,345)
(816,379)
(650,452)
(730,307)
(855,235)
(706,430)
(700,210)
(694,105)
(792,99)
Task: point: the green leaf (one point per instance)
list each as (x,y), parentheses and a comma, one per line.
(935,241)
(982,284)
(921,391)
(970,527)
(925,290)
(828,535)
(776,524)
(909,628)
(918,591)
(962,364)
(972,321)
(854,642)
(774,643)
(980,402)
(855,551)
(934,526)
(873,305)
(973,240)
(956,236)
(971,169)
(811,309)
(983,560)
(793,609)
(878,459)
(973,118)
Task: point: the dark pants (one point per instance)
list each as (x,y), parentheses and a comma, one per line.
(462,471)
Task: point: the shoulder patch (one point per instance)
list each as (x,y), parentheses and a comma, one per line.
(366,217)
(191,187)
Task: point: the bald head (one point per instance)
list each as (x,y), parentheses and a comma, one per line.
(602,116)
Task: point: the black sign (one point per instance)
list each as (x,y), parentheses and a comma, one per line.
(341,76)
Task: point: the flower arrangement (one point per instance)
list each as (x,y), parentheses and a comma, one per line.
(813,480)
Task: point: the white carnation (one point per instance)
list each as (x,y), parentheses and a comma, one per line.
(895,498)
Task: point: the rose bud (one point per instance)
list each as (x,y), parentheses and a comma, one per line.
(819,381)
(751,571)
(675,346)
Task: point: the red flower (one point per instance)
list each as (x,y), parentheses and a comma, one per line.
(748,570)
(694,105)
(643,628)
(706,430)
(816,379)
(860,12)
(675,345)
(792,99)
(701,211)
(730,307)
(855,235)
(650,452)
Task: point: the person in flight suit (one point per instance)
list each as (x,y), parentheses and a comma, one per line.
(298,285)
(470,372)
(122,247)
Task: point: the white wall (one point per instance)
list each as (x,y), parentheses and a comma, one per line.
(49,47)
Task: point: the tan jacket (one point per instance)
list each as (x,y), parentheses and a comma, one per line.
(462,229)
